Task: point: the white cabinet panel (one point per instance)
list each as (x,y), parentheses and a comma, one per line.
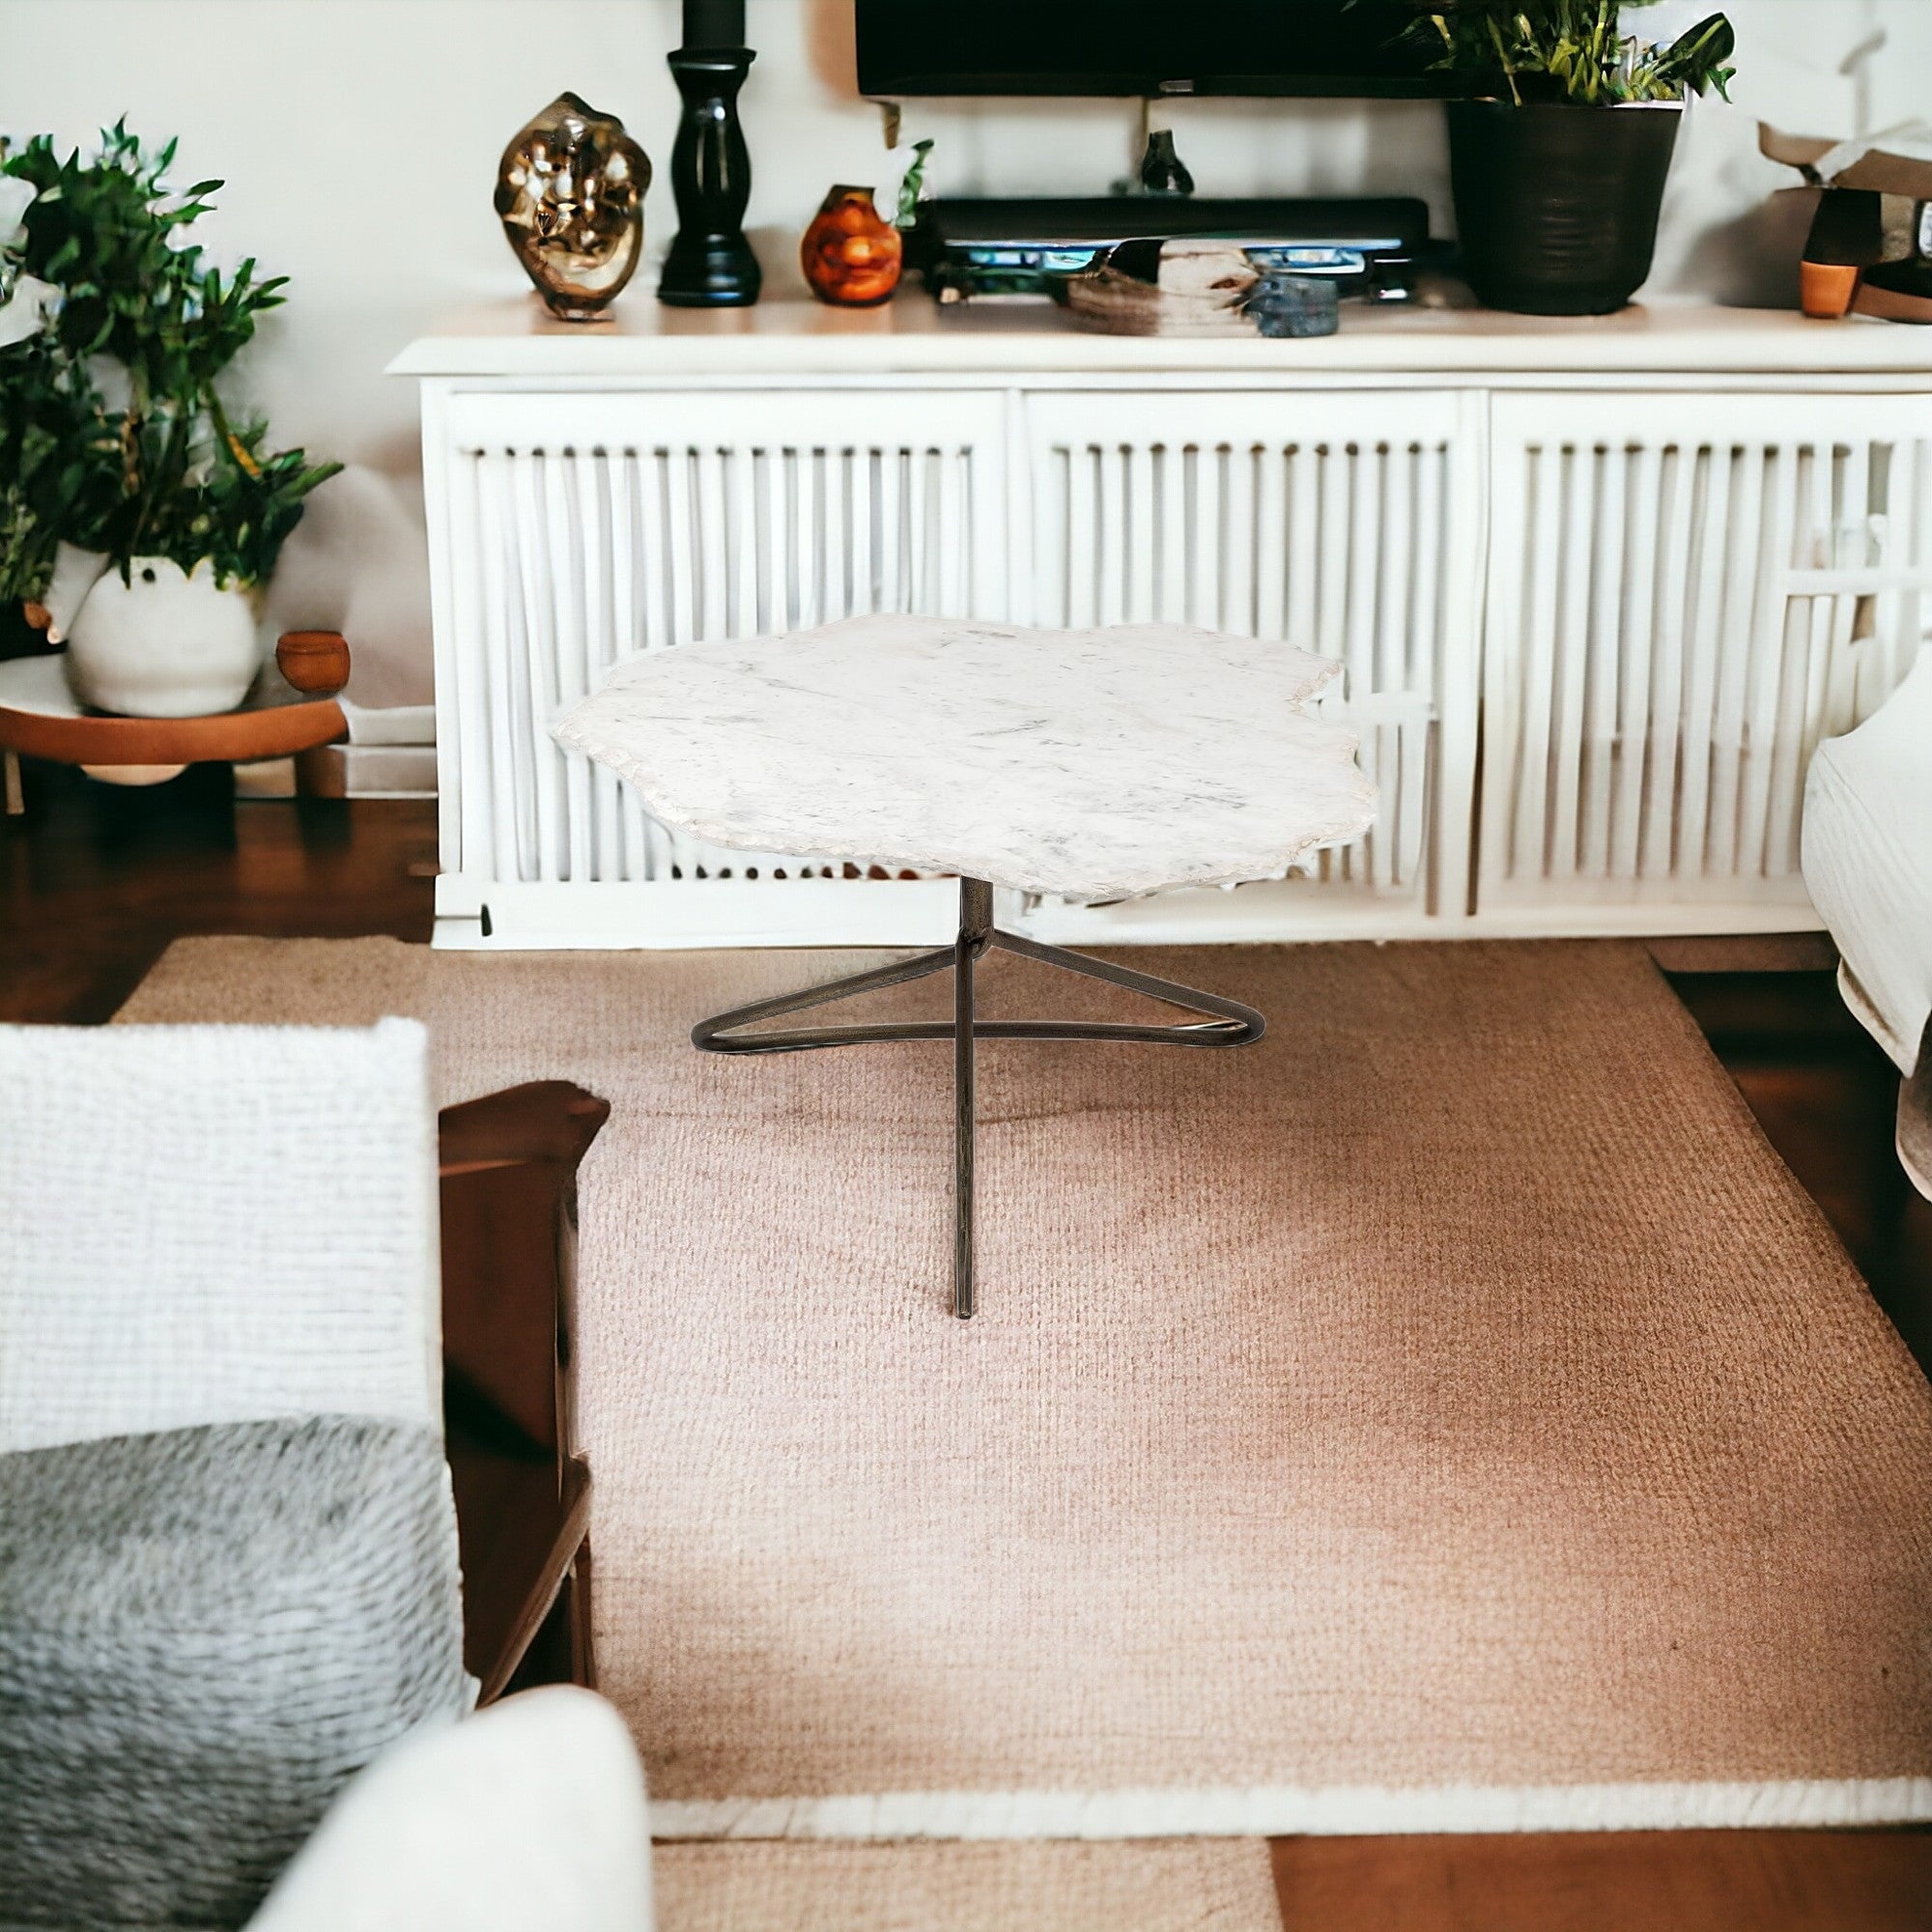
(1346,523)
(582,528)
(1685,594)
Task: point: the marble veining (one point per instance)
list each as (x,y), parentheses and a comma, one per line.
(1089,765)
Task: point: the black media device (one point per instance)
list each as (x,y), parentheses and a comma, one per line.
(1153,50)
(1367,245)
(1145,48)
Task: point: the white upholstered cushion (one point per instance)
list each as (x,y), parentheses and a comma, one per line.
(1868,867)
(530,1817)
(1868,858)
(214,1224)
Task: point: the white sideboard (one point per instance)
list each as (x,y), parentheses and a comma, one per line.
(1598,588)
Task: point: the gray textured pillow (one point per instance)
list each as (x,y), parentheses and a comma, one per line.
(203,1633)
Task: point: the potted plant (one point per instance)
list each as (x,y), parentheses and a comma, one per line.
(1558,171)
(137,519)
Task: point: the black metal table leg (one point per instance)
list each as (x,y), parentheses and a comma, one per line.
(976,931)
(1224,1023)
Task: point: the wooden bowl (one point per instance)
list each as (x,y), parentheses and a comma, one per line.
(315,662)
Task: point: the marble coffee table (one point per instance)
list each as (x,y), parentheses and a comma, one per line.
(1087,765)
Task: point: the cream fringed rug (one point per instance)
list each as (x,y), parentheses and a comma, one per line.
(1447,1414)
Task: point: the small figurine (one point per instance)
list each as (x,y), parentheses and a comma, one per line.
(570,193)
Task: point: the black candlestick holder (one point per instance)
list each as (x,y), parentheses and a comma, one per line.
(710,264)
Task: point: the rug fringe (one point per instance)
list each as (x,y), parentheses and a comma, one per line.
(1289,1810)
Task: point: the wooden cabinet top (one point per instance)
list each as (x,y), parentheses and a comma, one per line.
(914,336)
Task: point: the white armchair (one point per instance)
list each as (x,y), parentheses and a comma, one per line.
(238,1225)
(1867,855)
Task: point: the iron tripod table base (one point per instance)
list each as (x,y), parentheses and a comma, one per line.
(1232,1024)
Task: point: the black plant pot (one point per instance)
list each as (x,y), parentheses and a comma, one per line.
(1556,206)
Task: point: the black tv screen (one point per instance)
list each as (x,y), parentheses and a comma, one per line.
(1150,48)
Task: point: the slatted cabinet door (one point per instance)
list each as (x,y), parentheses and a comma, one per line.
(1345,522)
(585,527)
(1685,594)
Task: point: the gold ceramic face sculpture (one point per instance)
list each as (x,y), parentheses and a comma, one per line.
(570,193)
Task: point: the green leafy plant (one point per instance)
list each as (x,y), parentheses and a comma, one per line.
(1573,50)
(113,435)
(911,183)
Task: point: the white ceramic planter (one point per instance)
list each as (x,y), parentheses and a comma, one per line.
(164,643)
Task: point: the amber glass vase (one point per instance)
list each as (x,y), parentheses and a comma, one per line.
(851,253)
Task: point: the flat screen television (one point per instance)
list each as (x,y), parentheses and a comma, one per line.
(1144,47)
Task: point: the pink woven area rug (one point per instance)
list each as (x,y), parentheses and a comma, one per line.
(1448,1415)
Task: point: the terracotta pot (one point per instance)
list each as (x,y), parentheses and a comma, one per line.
(315,662)
(851,254)
(164,643)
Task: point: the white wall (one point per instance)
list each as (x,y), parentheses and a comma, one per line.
(359,140)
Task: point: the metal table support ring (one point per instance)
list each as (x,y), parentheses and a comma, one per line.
(1232,1024)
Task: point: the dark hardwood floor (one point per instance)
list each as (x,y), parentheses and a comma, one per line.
(97,879)
(94,882)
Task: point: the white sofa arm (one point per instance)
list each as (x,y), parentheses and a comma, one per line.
(528,1817)
(1868,867)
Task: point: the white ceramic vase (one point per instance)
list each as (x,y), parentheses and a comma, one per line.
(164,643)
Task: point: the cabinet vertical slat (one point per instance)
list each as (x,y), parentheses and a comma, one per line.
(474,603)
(778,582)
(1076,606)
(1206,559)
(538,658)
(746,553)
(891,530)
(1849,546)
(1600,743)
(680,560)
(1138,533)
(1331,507)
(712,614)
(1504,658)
(1111,547)
(581,512)
(500,589)
(1903,613)
(1269,515)
(1359,613)
(1640,535)
(1764,677)
(1570,683)
(616,858)
(952,548)
(1680,518)
(1168,529)
(837,546)
(1302,469)
(1738,639)
(919,545)
(1700,692)
(804,549)
(1394,617)
(1239,601)
(1541,650)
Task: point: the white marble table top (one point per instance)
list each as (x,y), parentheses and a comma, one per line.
(1089,765)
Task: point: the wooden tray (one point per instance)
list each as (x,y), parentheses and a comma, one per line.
(39,717)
